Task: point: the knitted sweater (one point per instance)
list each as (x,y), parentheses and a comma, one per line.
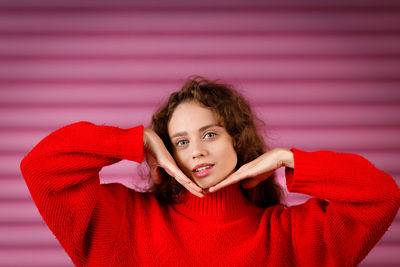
(112,225)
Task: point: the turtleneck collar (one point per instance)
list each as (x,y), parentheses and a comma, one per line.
(226,202)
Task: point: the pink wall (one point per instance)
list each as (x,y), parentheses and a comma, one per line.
(322,76)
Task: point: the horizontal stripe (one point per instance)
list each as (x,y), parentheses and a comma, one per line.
(142,94)
(48,257)
(212,21)
(122,58)
(149,103)
(383,255)
(224,69)
(329,116)
(103,47)
(78,33)
(209,7)
(222,3)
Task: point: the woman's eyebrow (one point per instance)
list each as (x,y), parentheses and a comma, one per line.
(178,134)
(208,126)
(200,130)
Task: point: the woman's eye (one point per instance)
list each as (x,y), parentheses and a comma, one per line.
(209,135)
(181,142)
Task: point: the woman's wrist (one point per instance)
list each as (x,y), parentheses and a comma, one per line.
(286,158)
(145,141)
(147,132)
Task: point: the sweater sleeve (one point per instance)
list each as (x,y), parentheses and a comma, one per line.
(62,174)
(354,205)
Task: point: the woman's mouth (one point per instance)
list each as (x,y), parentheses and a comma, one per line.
(202,170)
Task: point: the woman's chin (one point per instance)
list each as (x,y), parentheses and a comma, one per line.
(205,185)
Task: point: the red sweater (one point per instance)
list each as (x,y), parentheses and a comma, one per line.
(112,225)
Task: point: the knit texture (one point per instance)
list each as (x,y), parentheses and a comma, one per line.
(111,225)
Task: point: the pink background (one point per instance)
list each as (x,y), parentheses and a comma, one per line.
(322,76)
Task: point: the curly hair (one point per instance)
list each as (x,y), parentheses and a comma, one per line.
(238,119)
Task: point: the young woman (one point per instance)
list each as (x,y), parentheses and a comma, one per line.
(214,199)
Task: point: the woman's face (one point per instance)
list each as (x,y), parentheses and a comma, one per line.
(202,148)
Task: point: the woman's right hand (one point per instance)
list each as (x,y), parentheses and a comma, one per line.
(157,156)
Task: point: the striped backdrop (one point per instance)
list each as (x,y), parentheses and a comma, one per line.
(321,74)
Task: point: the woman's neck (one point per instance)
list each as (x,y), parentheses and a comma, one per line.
(226,202)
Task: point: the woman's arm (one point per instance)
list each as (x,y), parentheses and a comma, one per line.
(62,174)
(354,203)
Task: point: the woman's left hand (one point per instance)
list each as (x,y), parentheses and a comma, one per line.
(259,169)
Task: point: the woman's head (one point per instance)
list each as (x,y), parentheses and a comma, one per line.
(209,125)
(201,146)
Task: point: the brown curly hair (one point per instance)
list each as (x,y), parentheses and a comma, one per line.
(240,122)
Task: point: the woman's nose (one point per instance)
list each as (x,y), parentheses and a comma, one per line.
(198,150)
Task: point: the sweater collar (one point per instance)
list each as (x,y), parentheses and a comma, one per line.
(226,202)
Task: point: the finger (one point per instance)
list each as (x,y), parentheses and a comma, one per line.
(178,175)
(233,178)
(181,177)
(194,192)
(186,182)
(155,172)
(240,174)
(191,186)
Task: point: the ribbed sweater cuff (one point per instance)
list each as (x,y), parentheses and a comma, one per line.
(303,177)
(130,144)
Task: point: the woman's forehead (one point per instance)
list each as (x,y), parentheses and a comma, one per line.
(191,116)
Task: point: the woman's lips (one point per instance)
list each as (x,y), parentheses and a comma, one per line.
(202,170)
